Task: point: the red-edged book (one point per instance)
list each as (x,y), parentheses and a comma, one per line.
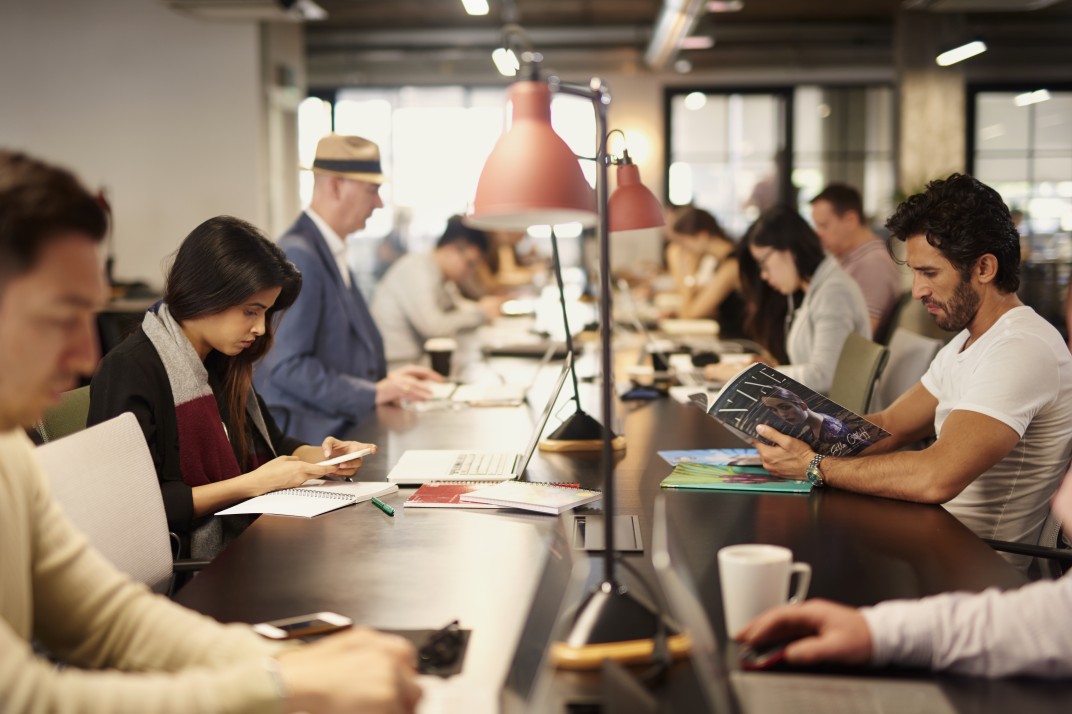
(447,494)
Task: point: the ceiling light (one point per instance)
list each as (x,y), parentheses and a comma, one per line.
(1039,95)
(476,7)
(505,61)
(698,42)
(682,66)
(725,5)
(959,54)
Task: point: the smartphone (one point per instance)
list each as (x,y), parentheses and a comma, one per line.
(763,657)
(345,457)
(291,628)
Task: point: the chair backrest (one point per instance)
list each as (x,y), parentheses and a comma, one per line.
(104,479)
(858,367)
(910,356)
(909,314)
(67,417)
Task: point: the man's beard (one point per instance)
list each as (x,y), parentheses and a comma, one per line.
(959,311)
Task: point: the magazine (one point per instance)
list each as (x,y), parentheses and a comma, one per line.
(710,477)
(761,394)
(742,458)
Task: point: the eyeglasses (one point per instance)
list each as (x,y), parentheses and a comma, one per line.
(762,262)
(442,648)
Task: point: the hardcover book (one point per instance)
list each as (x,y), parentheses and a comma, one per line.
(761,394)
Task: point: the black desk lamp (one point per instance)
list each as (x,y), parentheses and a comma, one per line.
(533,178)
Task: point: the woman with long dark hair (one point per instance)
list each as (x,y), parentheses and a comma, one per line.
(703,262)
(187,375)
(781,262)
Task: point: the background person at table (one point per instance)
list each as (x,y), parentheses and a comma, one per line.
(327,370)
(703,263)
(130,650)
(838,215)
(782,256)
(419,298)
(187,375)
(998,396)
(992,634)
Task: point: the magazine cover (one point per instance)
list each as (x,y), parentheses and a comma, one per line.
(742,458)
(761,394)
(710,477)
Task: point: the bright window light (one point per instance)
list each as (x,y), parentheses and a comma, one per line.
(476,7)
(959,54)
(505,61)
(681,191)
(1039,95)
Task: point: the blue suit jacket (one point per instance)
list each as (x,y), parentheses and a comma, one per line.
(319,379)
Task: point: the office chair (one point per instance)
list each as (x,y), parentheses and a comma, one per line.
(910,356)
(104,479)
(858,368)
(67,417)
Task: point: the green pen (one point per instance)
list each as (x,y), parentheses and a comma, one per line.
(383,507)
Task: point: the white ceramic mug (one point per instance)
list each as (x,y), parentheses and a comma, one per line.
(755,577)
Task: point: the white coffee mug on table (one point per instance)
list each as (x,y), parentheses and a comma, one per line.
(755,577)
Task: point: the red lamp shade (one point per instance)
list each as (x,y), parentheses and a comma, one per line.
(531,177)
(632,206)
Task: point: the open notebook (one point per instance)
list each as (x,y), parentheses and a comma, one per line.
(312,498)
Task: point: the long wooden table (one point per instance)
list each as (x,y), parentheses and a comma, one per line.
(425,567)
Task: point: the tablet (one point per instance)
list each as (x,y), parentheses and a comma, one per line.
(345,457)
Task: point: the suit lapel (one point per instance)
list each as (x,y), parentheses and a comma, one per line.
(355,308)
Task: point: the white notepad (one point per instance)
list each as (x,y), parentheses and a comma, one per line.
(531,496)
(313,498)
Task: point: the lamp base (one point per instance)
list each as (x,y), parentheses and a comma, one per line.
(613,624)
(580,432)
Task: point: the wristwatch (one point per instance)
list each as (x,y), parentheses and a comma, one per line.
(814,474)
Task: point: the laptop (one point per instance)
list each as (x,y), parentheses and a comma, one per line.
(733,692)
(422,465)
(496,395)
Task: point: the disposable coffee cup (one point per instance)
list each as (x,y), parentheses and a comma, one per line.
(756,577)
(440,350)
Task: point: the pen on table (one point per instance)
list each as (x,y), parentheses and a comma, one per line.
(383,506)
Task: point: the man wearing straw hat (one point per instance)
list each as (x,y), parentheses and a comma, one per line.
(327,370)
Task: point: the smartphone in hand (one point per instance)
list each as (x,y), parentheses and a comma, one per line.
(291,628)
(763,657)
(360,453)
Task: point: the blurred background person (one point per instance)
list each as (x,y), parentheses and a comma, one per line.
(703,263)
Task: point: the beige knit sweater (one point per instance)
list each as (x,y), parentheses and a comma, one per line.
(131,651)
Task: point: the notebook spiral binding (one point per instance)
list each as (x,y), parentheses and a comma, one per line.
(317,494)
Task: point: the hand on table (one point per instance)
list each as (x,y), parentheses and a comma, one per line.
(827,632)
(359,670)
(286,472)
(406,383)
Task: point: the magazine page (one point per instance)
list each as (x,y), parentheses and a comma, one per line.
(761,394)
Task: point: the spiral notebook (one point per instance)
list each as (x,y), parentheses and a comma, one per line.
(530,496)
(448,494)
(311,499)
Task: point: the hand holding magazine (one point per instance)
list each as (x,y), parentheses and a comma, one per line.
(760,394)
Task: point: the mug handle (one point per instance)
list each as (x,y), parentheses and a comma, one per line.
(803,573)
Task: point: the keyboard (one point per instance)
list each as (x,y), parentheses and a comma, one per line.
(482,464)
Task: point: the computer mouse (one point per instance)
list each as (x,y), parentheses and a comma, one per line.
(704,358)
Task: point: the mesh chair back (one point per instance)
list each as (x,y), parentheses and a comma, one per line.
(104,479)
(910,356)
(67,417)
(859,366)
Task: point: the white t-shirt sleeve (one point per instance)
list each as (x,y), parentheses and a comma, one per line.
(1000,382)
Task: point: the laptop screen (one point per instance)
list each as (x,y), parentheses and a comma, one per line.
(558,590)
(688,612)
(541,423)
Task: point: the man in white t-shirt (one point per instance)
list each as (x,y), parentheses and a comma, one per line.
(998,397)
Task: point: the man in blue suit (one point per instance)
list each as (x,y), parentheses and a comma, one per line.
(327,370)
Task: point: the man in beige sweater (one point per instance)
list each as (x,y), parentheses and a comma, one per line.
(131,651)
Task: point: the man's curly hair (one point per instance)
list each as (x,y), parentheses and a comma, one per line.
(964,219)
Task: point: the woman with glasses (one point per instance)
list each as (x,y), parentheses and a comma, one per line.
(801,304)
(187,375)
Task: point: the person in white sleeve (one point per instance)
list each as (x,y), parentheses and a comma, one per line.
(991,634)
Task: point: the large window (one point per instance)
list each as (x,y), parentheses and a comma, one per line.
(736,153)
